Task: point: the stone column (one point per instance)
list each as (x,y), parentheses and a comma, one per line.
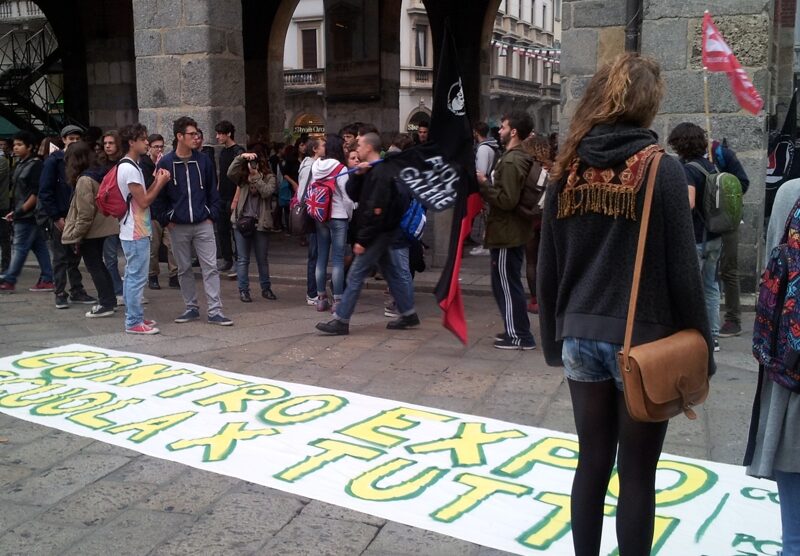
(593,33)
(672,34)
(189,62)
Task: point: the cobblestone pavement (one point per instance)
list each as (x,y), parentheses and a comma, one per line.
(65,494)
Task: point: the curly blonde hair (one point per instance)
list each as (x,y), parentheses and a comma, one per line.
(627,90)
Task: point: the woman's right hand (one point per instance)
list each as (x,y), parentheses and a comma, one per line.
(249,156)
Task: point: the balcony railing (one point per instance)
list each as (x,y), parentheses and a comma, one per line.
(423,76)
(306,78)
(11,9)
(519,87)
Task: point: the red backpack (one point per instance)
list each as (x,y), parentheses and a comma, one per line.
(319,196)
(109,199)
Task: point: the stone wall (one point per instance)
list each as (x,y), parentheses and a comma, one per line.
(111,80)
(189,62)
(593,33)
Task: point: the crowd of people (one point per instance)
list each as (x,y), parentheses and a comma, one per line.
(578,243)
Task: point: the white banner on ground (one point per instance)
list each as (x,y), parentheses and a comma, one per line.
(482,480)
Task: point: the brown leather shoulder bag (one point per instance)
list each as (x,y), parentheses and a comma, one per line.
(668,376)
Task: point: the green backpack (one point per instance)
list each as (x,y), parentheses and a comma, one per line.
(721,206)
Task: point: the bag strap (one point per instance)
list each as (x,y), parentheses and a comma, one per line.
(695,164)
(637,268)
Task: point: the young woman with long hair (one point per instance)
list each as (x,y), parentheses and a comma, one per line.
(85,227)
(252,219)
(588,247)
(332,235)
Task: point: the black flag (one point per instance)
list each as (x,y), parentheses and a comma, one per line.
(441,174)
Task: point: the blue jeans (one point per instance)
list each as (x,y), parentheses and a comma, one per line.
(708,256)
(379,252)
(331,234)
(311,267)
(28,236)
(110,249)
(591,361)
(137,262)
(789,493)
(259,241)
(405,282)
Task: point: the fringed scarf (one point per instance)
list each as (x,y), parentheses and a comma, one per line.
(607,191)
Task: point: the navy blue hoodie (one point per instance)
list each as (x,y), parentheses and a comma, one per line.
(54,191)
(191,196)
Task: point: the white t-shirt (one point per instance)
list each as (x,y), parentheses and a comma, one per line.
(136,224)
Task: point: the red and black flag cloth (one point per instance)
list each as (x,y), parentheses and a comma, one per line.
(441,174)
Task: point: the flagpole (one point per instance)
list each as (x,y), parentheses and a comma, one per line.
(708,113)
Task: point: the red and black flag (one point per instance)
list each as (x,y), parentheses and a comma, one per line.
(440,174)
(451,130)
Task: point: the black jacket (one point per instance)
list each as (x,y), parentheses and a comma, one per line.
(380,206)
(26,183)
(227,189)
(585,266)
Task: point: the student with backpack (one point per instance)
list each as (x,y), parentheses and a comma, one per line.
(328,180)
(773,447)
(508,231)
(689,142)
(725,160)
(135,226)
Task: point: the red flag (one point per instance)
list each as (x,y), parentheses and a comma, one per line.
(718,56)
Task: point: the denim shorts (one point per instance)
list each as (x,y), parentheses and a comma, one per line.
(591,361)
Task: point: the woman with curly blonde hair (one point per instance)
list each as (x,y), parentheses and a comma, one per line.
(590,232)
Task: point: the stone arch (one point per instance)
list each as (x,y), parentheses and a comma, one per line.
(263,63)
(417,115)
(96,41)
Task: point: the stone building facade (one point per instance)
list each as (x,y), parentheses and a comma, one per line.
(594,33)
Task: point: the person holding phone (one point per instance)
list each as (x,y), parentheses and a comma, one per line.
(252,219)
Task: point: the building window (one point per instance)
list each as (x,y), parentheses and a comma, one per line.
(421,46)
(309,48)
(519,10)
(557,9)
(545,27)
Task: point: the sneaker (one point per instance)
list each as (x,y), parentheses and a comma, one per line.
(42,286)
(150,323)
(312,300)
(509,343)
(244,296)
(334,327)
(232,275)
(533,306)
(323,305)
(404,322)
(62,301)
(716,345)
(153,284)
(500,336)
(478,251)
(220,319)
(83,298)
(730,329)
(142,328)
(188,316)
(120,301)
(98,311)
(391,310)
(267,293)
(7,287)
(145,301)
(173,283)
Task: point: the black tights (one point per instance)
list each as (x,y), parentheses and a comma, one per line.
(603,423)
